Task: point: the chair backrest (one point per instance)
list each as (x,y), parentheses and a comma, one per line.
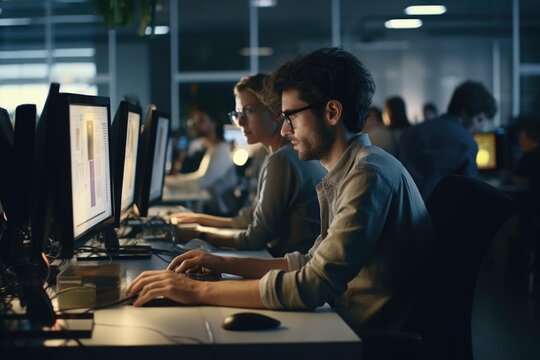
(466,213)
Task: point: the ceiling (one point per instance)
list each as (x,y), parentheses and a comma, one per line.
(360,19)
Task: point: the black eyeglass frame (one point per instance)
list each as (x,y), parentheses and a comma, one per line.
(285,115)
(235,116)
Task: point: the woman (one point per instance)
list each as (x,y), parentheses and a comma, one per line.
(395,119)
(284,216)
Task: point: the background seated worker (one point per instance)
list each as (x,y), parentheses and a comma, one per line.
(445,145)
(216,171)
(370,258)
(285,214)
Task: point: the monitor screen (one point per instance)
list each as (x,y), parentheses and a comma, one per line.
(90,167)
(82,181)
(158,164)
(486,158)
(130,160)
(152,159)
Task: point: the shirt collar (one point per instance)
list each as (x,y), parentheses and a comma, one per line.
(357,143)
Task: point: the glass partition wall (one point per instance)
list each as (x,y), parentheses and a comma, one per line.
(199,49)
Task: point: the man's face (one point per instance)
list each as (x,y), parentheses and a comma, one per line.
(310,136)
(478,123)
(201,124)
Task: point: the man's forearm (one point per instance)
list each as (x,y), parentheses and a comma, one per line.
(253,268)
(237,293)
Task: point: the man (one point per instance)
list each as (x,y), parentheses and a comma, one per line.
(375,231)
(213,169)
(444,145)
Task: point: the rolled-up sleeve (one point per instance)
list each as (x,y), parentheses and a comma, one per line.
(363,201)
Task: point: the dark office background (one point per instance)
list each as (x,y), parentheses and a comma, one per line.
(472,40)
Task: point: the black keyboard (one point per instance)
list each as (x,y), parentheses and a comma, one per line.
(204,276)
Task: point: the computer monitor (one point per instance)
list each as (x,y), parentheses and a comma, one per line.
(153,152)
(41,187)
(125,144)
(486,158)
(6,160)
(7,198)
(23,156)
(83,191)
(490,151)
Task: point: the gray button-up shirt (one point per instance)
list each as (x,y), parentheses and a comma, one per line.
(285,214)
(375,237)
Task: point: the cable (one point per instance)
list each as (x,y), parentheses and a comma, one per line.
(171,338)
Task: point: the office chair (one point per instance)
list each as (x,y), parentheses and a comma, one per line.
(390,345)
(466,214)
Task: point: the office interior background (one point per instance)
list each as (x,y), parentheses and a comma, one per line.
(197,50)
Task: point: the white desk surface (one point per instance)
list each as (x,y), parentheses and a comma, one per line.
(124,328)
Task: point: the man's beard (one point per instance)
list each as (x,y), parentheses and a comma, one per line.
(318,146)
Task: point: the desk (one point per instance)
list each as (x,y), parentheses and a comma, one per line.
(195,331)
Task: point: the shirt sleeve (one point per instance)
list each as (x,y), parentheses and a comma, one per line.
(219,164)
(277,185)
(244,217)
(362,202)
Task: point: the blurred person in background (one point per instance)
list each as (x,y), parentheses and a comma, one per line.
(395,118)
(445,145)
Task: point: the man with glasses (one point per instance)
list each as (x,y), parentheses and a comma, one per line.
(368,261)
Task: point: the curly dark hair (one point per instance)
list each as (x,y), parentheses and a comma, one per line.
(470,99)
(323,75)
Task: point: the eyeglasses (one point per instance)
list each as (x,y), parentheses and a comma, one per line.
(286,115)
(235,115)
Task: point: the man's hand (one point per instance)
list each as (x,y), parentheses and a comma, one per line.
(172,285)
(197,261)
(187,217)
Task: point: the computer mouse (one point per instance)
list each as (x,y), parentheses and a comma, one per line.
(249,321)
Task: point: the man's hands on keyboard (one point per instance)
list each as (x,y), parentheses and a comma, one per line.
(196,260)
(204,276)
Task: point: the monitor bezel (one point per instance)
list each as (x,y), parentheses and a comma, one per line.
(63,200)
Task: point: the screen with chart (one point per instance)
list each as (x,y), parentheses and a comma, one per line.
(90,167)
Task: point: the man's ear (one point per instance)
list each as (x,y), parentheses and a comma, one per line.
(333,112)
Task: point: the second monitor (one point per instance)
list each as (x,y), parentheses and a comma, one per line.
(152,159)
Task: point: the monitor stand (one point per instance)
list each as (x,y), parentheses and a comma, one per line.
(113,250)
(66,326)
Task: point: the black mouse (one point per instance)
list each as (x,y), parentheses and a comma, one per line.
(249,321)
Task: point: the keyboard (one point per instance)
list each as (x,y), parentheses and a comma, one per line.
(204,276)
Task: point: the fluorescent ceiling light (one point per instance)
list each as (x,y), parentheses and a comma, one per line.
(264,3)
(403,24)
(425,10)
(260,51)
(42,54)
(15,22)
(158,30)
